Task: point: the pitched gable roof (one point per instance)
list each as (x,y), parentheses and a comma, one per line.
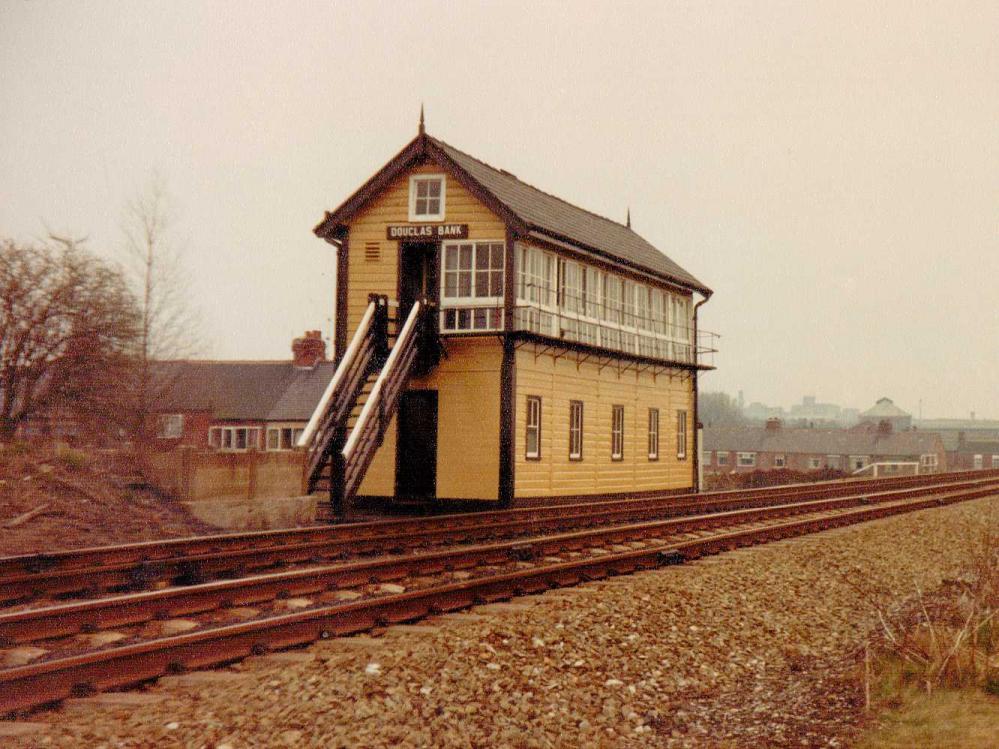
(242,390)
(528,209)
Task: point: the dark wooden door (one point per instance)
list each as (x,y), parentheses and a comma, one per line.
(416,449)
(417,275)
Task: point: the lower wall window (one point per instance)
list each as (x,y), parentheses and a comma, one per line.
(234,438)
(747,460)
(617,432)
(653,434)
(171,426)
(533,434)
(681,435)
(282,438)
(575,430)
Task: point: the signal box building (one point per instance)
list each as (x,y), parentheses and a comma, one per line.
(530,348)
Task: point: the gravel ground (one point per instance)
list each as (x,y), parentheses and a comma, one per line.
(748,649)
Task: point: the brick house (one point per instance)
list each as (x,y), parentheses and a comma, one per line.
(235,406)
(748,448)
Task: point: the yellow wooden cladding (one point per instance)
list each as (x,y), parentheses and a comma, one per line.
(371,272)
(558,382)
(468,395)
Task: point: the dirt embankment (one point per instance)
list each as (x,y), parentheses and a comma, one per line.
(59,497)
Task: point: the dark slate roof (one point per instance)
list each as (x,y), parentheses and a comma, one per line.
(554,215)
(243,390)
(820,441)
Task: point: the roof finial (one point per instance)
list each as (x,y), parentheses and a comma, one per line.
(628,221)
(423,129)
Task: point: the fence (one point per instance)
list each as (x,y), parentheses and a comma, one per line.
(190,475)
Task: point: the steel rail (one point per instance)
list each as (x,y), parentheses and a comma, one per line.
(371,539)
(38,684)
(33,625)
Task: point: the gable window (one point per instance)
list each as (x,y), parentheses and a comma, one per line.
(653,434)
(282,438)
(234,439)
(170,426)
(533,435)
(575,430)
(747,460)
(617,432)
(681,435)
(426,197)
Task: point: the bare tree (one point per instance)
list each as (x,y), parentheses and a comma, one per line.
(167,327)
(68,328)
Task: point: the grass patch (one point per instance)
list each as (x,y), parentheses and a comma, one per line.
(946,719)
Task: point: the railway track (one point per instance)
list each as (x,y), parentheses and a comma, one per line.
(353,597)
(130,567)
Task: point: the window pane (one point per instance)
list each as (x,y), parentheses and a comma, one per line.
(273,439)
(433,206)
(450,284)
(240,439)
(466,257)
(422,187)
(496,256)
(496,283)
(465,283)
(450,257)
(435,188)
(482,257)
(421,206)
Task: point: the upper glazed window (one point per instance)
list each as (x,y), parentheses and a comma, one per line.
(426,197)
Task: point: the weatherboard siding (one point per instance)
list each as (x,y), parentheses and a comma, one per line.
(559,381)
(390,208)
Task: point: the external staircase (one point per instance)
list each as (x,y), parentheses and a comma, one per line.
(349,424)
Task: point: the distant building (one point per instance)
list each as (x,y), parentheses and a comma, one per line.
(886,411)
(749,448)
(236,406)
(807,413)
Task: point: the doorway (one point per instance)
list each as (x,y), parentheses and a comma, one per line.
(418,276)
(416,448)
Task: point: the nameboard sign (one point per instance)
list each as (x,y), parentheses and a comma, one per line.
(428,231)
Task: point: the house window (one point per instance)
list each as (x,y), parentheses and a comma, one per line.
(929,460)
(815,463)
(575,430)
(707,457)
(978,461)
(995,461)
(722,459)
(747,460)
(617,432)
(857,462)
(832,461)
(473,283)
(282,438)
(780,461)
(171,426)
(653,434)
(681,435)
(533,436)
(234,439)
(426,197)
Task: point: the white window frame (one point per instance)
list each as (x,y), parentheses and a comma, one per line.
(979,462)
(490,306)
(814,464)
(995,461)
(533,426)
(575,430)
(745,459)
(617,432)
(681,435)
(780,461)
(929,460)
(227,438)
(413,180)
(859,462)
(283,444)
(653,434)
(832,461)
(170,426)
(721,457)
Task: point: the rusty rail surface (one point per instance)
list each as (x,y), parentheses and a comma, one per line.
(37,684)
(135,566)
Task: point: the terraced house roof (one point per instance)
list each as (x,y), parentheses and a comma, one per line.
(530,210)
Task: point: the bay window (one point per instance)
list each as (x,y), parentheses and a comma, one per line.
(472,293)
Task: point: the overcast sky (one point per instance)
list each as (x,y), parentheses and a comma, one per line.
(831,169)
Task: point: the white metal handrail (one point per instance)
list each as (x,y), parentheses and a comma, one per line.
(373,396)
(348,357)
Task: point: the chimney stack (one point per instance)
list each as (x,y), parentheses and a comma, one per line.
(773,424)
(309,350)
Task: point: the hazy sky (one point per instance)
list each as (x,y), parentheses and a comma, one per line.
(831,169)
